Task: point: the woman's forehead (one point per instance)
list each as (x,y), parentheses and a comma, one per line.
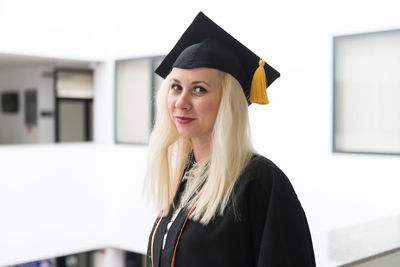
(207,74)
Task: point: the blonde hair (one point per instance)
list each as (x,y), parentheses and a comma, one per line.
(215,177)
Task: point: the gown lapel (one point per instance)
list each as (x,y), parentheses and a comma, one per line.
(173,233)
(163,257)
(158,240)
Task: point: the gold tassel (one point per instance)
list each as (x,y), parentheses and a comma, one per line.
(258,90)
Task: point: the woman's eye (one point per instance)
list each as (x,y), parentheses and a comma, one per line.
(176,87)
(199,90)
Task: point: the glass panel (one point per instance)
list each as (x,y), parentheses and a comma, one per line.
(157,81)
(71,121)
(133,103)
(367,89)
(74,84)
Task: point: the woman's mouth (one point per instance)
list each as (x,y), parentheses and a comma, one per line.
(183,120)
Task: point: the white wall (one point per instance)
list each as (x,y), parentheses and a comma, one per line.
(52,201)
(13,129)
(294,130)
(67,198)
(103,103)
(70,29)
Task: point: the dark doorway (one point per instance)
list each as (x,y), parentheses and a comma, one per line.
(74,105)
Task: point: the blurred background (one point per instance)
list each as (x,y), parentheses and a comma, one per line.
(76,110)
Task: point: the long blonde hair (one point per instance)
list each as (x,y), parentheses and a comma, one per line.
(215,177)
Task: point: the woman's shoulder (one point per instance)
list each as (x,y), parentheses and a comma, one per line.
(258,162)
(263,175)
(266,200)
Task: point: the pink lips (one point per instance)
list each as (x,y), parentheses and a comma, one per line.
(183,120)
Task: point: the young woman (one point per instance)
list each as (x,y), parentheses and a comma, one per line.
(220,203)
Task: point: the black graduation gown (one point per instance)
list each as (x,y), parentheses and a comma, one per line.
(264,225)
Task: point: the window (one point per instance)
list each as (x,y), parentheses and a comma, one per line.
(136,84)
(367,93)
(37,96)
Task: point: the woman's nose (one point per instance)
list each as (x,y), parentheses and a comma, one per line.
(183,101)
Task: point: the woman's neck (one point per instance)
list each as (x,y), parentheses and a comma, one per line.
(201,149)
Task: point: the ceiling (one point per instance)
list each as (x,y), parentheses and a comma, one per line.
(14,61)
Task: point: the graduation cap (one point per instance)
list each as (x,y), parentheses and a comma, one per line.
(206,45)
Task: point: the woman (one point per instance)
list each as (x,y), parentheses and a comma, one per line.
(220,203)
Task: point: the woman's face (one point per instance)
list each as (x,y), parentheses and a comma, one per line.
(193,101)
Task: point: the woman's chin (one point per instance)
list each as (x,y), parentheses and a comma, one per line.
(186,134)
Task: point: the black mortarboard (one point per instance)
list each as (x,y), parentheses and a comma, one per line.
(205,44)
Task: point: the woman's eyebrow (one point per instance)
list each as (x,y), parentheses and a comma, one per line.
(175,80)
(196,82)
